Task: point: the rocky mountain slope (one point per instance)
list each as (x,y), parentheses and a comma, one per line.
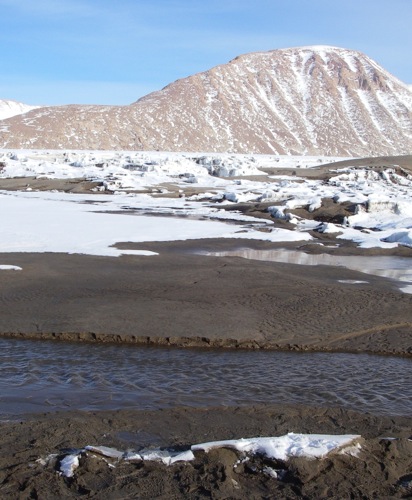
(308,100)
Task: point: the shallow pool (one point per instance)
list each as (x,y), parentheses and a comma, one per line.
(38,376)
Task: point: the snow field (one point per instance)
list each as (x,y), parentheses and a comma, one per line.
(131,183)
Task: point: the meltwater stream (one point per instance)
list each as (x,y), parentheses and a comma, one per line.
(39,376)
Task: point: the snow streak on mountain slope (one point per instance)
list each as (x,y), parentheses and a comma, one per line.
(305,100)
(9,108)
(309,100)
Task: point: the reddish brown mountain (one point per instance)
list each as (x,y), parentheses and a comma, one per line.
(308,100)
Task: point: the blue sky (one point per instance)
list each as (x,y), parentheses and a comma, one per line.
(115,51)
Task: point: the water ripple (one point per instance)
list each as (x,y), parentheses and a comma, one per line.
(41,375)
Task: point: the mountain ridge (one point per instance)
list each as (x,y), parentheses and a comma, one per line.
(305,100)
(10,108)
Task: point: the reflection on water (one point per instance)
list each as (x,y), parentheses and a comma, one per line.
(396,268)
(38,376)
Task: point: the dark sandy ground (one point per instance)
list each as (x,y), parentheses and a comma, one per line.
(383,468)
(45,184)
(179,298)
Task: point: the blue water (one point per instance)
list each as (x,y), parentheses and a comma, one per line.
(39,376)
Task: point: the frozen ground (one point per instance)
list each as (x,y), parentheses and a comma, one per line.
(196,190)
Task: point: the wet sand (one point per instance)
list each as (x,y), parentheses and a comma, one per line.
(382,468)
(179,298)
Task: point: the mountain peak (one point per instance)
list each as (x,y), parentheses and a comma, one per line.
(316,100)
(316,49)
(321,48)
(10,108)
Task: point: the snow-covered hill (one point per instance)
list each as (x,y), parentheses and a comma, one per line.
(307,100)
(9,108)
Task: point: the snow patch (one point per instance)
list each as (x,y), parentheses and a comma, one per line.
(284,447)
(401,237)
(281,448)
(69,464)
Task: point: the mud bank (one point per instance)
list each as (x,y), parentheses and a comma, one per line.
(31,451)
(179,298)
